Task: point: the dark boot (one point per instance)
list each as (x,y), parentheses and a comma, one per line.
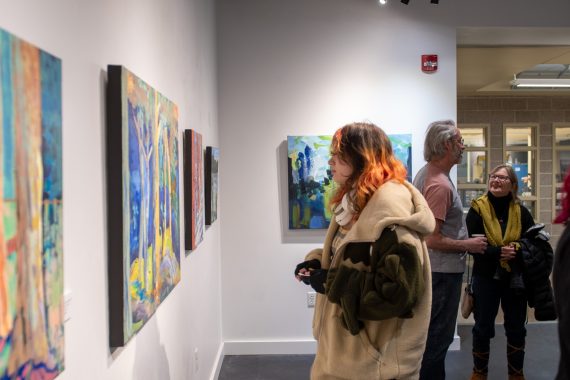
(480,358)
(480,365)
(515,358)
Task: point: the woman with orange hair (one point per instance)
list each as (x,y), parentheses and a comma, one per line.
(372,274)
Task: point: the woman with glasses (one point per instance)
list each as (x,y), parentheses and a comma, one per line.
(501,217)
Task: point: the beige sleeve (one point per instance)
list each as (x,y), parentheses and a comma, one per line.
(315,254)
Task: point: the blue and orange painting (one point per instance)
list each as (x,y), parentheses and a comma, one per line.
(310,179)
(31,254)
(151,207)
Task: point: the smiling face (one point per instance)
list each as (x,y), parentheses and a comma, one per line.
(340,169)
(500,184)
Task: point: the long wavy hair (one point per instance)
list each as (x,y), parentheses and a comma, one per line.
(367,148)
(565,213)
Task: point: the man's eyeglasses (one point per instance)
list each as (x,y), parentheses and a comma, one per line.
(502,178)
(460,141)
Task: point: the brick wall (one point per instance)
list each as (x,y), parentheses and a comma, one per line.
(541,110)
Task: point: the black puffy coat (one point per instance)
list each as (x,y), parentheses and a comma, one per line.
(538,258)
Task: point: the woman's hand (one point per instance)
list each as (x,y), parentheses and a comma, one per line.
(508,252)
(304,269)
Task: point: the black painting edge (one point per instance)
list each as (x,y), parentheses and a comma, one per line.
(187,146)
(115,205)
(208,184)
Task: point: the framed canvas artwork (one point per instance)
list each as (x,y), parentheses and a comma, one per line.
(31,202)
(194,213)
(402,146)
(211,184)
(310,181)
(143,201)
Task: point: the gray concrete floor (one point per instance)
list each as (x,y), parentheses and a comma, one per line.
(541,359)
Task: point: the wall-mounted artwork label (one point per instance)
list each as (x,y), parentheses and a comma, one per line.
(211,182)
(31,254)
(310,180)
(143,201)
(194,213)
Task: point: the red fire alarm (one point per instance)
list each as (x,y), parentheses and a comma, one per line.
(429,63)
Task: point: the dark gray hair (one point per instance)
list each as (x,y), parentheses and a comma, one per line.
(438,133)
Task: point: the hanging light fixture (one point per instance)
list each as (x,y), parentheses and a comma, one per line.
(405,1)
(435,1)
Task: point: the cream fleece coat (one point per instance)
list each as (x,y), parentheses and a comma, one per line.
(386,349)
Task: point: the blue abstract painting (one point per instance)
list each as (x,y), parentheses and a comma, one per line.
(310,184)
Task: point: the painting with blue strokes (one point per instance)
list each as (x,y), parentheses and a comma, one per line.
(144,211)
(310,184)
(402,146)
(310,181)
(31,202)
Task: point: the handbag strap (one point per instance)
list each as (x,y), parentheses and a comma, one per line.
(469,274)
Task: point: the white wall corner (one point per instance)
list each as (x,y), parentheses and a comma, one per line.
(218,361)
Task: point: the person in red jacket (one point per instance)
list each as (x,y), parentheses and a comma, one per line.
(561,284)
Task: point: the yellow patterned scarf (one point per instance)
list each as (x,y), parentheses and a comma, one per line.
(495,237)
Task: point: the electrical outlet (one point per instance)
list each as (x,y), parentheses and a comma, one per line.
(311,298)
(66,305)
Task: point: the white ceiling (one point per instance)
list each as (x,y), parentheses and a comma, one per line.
(488,58)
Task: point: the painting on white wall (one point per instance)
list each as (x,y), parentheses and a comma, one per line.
(143,202)
(31,209)
(310,184)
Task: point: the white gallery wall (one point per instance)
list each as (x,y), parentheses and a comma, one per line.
(170,44)
(307,67)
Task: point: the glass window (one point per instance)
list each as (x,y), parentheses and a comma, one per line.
(563,163)
(531,206)
(562,136)
(519,136)
(523,162)
(473,168)
(467,195)
(474,137)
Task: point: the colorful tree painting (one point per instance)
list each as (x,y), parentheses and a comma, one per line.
(146,123)
(31,254)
